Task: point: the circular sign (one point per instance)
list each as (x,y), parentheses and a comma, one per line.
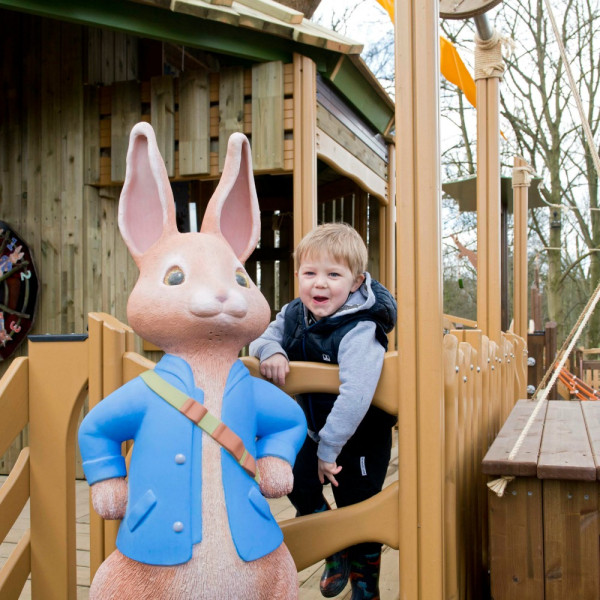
(18,290)
(465,9)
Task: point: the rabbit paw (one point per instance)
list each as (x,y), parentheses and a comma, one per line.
(276,477)
(109,498)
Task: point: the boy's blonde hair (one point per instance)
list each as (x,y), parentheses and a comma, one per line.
(340,241)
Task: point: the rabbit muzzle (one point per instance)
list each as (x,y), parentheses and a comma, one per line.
(207,304)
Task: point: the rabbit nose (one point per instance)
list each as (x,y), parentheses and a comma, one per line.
(221,298)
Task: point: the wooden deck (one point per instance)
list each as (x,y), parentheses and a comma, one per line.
(281,508)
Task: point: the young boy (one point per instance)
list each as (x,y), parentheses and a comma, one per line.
(341,317)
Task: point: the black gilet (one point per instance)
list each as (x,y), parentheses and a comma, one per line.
(320,341)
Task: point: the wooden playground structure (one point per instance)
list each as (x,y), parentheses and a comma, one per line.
(452,393)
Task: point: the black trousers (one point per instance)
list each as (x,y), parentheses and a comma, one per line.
(364,460)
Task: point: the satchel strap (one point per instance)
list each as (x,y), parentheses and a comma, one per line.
(199,415)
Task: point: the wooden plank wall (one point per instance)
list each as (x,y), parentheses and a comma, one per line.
(193,116)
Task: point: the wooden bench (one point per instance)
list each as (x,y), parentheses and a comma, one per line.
(544,529)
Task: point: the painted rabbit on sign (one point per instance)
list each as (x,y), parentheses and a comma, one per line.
(210,441)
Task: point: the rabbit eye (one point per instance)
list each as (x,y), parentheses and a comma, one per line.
(175,276)
(242,279)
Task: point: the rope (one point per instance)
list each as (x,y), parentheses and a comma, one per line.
(521,176)
(584,122)
(488,55)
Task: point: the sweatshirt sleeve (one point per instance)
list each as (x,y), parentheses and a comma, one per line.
(269,342)
(360,358)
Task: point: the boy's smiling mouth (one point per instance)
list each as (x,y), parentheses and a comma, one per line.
(320,299)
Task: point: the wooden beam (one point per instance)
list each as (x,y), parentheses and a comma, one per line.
(489,286)
(418,254)
(520,210)
(305,153)
(334,154)
(274,9)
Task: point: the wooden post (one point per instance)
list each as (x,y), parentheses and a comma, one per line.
(305,152)
(520,184)
(488,204)
(57,385)
(420,370)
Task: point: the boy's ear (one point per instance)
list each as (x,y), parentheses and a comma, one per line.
(358,281)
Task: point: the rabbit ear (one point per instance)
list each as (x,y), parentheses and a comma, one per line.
(233,209)
(146,207)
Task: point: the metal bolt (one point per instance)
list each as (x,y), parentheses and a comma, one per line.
(530,493)
(472,367)
(530,389)
(569,496)
(514,492)
(493,367)
(465,379)
(456,368)
(531,361)
(586,497)
(479,369)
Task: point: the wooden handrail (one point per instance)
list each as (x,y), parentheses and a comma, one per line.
(14,493)
(14,401)
(15,571)
(316,377)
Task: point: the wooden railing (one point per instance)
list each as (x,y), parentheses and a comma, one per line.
(482,380)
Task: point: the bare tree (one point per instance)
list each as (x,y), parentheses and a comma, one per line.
(542,125)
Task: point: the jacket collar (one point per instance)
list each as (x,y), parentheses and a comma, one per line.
(178,372)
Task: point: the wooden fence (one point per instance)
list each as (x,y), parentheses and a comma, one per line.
(482,379)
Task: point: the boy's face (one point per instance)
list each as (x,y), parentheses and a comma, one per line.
(325,284)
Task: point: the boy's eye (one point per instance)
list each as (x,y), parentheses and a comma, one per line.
(242,279)
(334,274)
(174,276)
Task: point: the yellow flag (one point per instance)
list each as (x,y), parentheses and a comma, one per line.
(451,65)
(455,71)
(389,6)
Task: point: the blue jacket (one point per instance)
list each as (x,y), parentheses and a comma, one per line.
(164,511)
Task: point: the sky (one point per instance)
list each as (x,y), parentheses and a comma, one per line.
(366,24)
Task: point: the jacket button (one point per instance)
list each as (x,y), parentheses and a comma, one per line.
(180,459)
(177,526)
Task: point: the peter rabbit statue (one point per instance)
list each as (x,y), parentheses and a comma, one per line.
(195,520)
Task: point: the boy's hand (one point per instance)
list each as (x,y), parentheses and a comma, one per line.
(275,368)
(329,470)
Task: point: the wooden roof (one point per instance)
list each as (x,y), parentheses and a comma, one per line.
(266,16)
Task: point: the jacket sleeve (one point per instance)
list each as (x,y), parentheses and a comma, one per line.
(269,342)
(360,358)
(111,422)
(281,425)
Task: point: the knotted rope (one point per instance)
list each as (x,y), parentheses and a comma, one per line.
(488,55)
(521,176)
